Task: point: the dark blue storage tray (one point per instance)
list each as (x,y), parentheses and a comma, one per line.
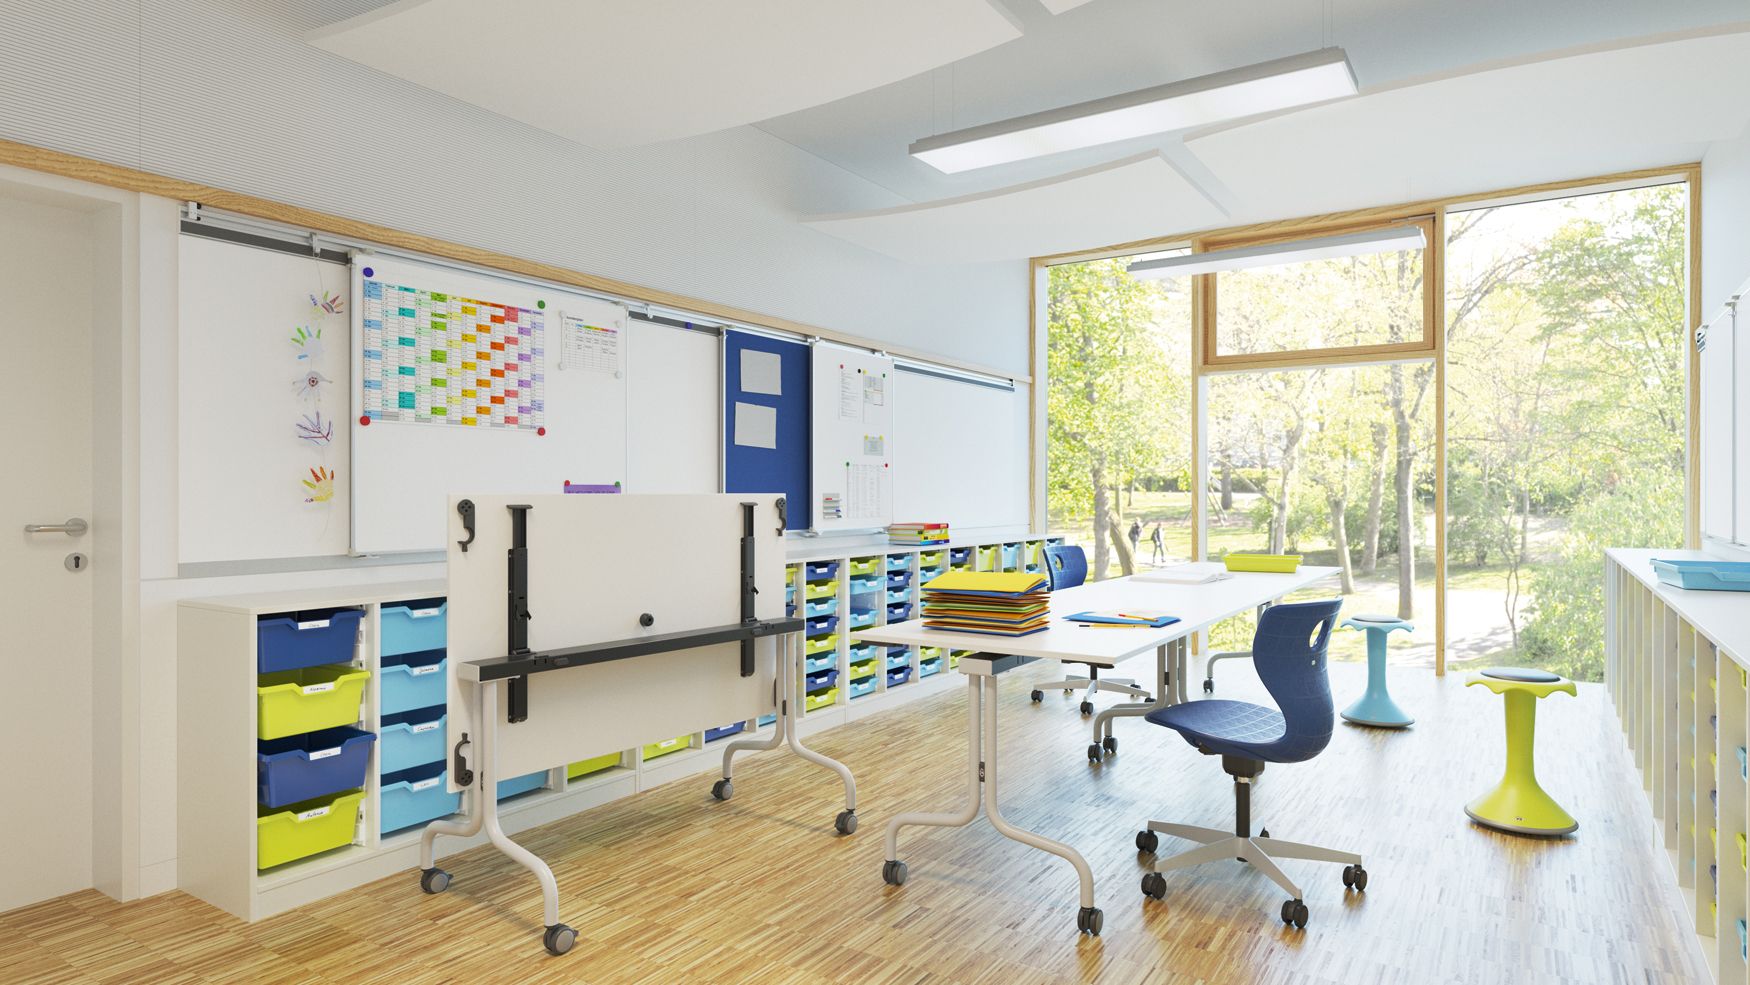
(821,624)
(898,676)
(311,638)
(899,581)
(820,679)
(1707,576)
(315,764)
(899,612)
(723,731)
(959,555)
(820,570)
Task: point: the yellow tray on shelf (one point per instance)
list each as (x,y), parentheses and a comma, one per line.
(1277,563)
(585,767)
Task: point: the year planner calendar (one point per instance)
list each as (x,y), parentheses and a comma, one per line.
(435,358)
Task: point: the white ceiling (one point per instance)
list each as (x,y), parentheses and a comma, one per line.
(584,70)
(1034,218)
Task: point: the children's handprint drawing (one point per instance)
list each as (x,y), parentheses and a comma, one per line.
(329,304)
(308,342)
(319,488)
(309,387)
(316,429)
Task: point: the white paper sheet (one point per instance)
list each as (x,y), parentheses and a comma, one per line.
(756,426)
(762,372)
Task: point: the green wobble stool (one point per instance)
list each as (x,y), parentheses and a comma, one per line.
(1375,707)
(1518,804)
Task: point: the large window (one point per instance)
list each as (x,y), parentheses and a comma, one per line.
(1298,408)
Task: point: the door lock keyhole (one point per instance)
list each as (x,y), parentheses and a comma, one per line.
(77,562)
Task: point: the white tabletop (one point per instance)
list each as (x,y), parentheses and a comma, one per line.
(1197,606)
(1723,617)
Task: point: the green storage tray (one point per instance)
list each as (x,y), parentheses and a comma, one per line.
(820,699)
(863,669)
(820,589)
(585,767)
(293,702)
(819,644)
(307,828)
(930,559)
(1276,563)
(865,565)
(666,746)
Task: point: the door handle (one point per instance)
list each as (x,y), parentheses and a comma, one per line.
(72,528)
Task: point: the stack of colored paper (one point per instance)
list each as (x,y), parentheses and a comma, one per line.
(1013,603)
(918,534)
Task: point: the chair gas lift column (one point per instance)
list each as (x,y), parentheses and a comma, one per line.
(1518,804)
(1375,707)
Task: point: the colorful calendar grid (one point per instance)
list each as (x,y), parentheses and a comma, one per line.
(432,358)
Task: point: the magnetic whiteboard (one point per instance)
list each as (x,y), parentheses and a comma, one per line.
(249,431)
(403,471)
(962,452)
(672,416)
(1718,440)
(852,440)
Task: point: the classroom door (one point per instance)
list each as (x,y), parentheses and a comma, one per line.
(46,272)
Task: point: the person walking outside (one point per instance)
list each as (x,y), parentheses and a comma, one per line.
(1160,553)
(1135,536)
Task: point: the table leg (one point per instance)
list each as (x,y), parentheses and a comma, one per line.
(1170,663)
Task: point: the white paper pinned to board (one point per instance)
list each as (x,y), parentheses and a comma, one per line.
(762,372)
(756,426)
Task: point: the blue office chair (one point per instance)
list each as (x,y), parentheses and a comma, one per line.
(1066,566)
(1289,652)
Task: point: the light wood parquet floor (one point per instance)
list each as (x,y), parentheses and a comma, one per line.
(672,887)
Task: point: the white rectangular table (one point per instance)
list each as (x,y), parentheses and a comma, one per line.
(1198,607)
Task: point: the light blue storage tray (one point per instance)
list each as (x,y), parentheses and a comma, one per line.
(862,687)
(930,667)
(416,797)
(417,683)
(414,627)
(821,607)
(521,784)
(1707,576)
(820,661)
(408,744)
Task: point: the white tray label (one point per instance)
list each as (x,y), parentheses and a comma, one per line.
(324,753)
(318,688)
(422,671)
(424,727)
(314,624)
(312,815)
(424,784)
(424,613)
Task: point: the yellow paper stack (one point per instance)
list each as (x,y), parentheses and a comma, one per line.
(1013,603)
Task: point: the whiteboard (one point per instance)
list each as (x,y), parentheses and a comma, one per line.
(1717,438)
(403,471)
(962,453)
(672,411)
(852,438)
(596,563)
(241,463)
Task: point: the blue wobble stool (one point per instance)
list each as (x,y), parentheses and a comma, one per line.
(1375,707)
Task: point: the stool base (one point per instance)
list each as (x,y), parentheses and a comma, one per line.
(1378,711)
(1522,809)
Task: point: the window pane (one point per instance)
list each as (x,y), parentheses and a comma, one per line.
(1566,415)
(1119,415)
(1375,299)
(1335,464)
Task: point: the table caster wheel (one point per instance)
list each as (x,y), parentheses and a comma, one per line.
(1147,841)
(434,880)
(1087,708)
(1154,885)
(723,790)
(1294,913)
(1110,743)
(846,822)
(559,938)
(1094,752)
(893,873)
(1208,687)
(1355,877)
(1037,695)
(1089,920)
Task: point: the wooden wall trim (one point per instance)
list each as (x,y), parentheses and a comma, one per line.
(129,179)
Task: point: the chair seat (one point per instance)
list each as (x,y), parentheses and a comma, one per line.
(1228,728)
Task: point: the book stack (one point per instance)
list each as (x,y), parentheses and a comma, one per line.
(1013,603)
(918,534)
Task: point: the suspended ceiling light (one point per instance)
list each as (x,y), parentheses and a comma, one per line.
(1240,92)
(1387,240)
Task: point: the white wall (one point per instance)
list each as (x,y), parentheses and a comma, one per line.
(229,95)
(1725,221)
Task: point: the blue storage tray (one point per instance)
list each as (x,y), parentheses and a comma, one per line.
(765,720)
(897,596)
(959,555)
(821,607)
(723,731)
(932,666)
(414,627)
(899,612)
(1743,940)
(295,640)
(1707,576)
(902,582)
(899,562)
(820,661)
(414,681)
(315,764)
(820,679)
(416,796)
(521,784)
(862,687)
(864,584)
(898,657)
(1744,762)
(416,738)
(862,618)
(820,625)
(1011,556)
(820,570)
(898,676)
(861,652)
(789,609)
(926,574)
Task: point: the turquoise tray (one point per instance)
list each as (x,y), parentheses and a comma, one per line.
(1709,576)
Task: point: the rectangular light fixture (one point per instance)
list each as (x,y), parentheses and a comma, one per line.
(1387,240)
(1298,80)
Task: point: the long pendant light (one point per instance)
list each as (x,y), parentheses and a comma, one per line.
(1284,83)
(1386,240)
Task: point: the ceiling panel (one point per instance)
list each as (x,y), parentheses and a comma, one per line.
(573,67)
(1112,203)
(1564,118)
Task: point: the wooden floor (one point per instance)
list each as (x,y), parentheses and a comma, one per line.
(672,887)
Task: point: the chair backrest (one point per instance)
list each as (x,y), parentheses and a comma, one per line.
(1065,565)
(1289,654)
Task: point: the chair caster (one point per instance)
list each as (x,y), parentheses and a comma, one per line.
(1087,708)
(893,873)
(1110,743)
(1355,877)
(1147,841)
(846,822)
(723,789)
(558,939)
(1208,687)
(1154,885)
(1294,913)
(1093,752)
(1037,695)
(434,881)
(1089,920)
